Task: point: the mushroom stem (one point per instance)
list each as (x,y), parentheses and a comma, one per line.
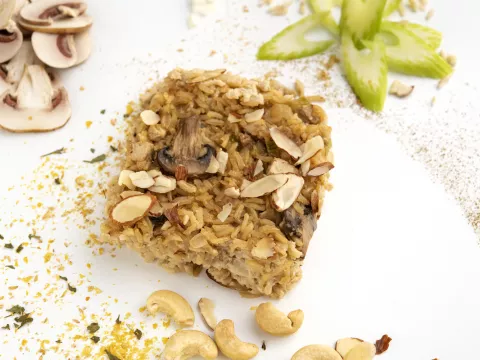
(187,144)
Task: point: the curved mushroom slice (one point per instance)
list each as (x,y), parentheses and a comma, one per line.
(16,66)
(36,106)
(46,12)
(4,85)
(295,225)
(187,150)
(61,51)
(63,26)
(7,7)
(10,42)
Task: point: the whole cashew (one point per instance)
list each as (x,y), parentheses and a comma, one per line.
(316,352)
(172,304)
(363,351)
(185,344)
(273,321)
(230,345)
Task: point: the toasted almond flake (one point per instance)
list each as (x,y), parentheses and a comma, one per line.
(222,158)
(254,115)
(343,346)
(311,147)
(141,179)
(132,209)
(162,189)
(264,186)
(156,210)
(232,192)
(400,89)
(154,173)
(149,117)
(226,210)
(285,143)
(213,166)
(245,183)
(285,196)
(280,166)
(124,179)
(305,167)
(443,81)
(363,351)
(263,249)
(129,193)
(233,119)
(321,169)
(258,168)
(166,181)
(207,307)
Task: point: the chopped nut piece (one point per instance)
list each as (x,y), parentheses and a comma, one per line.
(258,168)
(142,180)
(132,209)
(285,143)
(263,249)
(232,192)
(280,166)
(226,210)
(206,307)
(383,344)
(400,89)
(254,115)
(124,179)
(181,173)
(222,158)
(163,184)
(149,117)
(233,119)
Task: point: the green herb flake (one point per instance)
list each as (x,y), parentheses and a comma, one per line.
(34,236)
(113,148)
(72,289)
(92,150)
(93,328)
(96,159)
(23,320)
(58,341)
(111,356)
(264,345)
(1,237)
(63,278)
(6,327)
(103,112)
(118,320)
(10,266)
(19,249)
(8,246)
(138,334)
(95,339)
(17,310)
(56,152)
(57,181)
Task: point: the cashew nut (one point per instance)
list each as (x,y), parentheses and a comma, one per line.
(343,346)
(273,321)
(185,344)
(362,351)
(230,345)
(316,352)
(172,304)
(206,307)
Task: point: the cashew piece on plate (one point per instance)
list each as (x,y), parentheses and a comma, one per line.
(185,344)
(206,307)
(172,304)
(316,352)
(273,321)
(230,345)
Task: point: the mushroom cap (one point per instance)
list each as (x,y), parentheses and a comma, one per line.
(16,66)
(63,26)
(36,106)
(61,51)
(194,166)
(46,12)
(10,43)
(7,7)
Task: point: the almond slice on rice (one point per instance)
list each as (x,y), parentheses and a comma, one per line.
(213,166)
(254,115)
(285,196)
(258,168)
(280,166)
(311,147)
(149,117)
(163,184)
(264,185)
(285,143)
(305,167)
(233,119)
(245,183)
(226,210)
(141,179)
(321,169)
(132,209)
(232,192)
(124,179)
(130,193)
(222,158)
(156,210)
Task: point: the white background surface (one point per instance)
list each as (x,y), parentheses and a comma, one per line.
(393,253)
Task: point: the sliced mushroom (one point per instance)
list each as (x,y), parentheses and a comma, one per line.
(11,40)
(64,26)
(61,51)
(36,106)
(7,8)
(187,150)
(46,12)
(16,66)
(295,225)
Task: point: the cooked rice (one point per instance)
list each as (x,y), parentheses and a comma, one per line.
(227,250)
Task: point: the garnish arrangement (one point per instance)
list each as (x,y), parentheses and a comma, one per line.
(370,45)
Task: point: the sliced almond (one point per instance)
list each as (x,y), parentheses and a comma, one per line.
(285,143)
(142,180)
(264,186)
(154,173)
(222,158)
(124,179)
(264,248)
(321,169)
(400,89)
(213,166)
(343,346)
(305,167)
(207,307)
(156,210)
(149,117)
(254,115)
(258,168)
(226,210)
(232,192)
(280,166)
(130,193)
(245,183)
(132,209)
(285,196)
(233,119)
(362,351)
(311,147)
(163,184)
